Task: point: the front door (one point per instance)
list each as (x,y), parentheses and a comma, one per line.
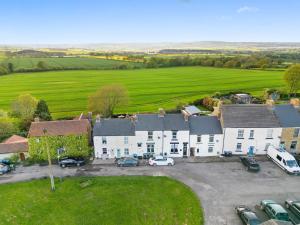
(192,152)
(184,153)
(251,151)
(118,153)
(22,156)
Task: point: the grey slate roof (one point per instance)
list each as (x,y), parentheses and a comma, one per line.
(175,122)
(200,125)
(114,127)
(248,116)
(288,116)
(148,122)
(152,122)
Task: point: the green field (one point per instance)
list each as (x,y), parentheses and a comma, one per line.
(108,200)
(67,91)
(67,63)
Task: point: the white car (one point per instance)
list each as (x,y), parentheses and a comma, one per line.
(161,161)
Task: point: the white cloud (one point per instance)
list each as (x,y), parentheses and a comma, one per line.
(246,9)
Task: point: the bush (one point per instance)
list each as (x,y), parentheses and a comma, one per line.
(75,146)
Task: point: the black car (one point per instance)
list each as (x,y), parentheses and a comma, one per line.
(70,161)
(128,162)
(227,154)
(247,215)
(250,163)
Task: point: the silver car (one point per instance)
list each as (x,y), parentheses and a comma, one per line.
(4,168)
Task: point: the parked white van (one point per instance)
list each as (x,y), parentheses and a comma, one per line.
(284,160)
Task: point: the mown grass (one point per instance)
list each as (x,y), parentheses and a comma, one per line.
(66,92)
(107,200)
(23,63)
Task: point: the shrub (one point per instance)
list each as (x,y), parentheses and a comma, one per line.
(75,146)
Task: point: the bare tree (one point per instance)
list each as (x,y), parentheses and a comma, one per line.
(107,99)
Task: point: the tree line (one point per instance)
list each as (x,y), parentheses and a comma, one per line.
(242,62)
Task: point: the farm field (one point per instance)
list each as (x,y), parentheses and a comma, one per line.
(67,63)
(105,200)
(66,92)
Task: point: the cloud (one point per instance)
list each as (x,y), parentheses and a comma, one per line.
(247,9)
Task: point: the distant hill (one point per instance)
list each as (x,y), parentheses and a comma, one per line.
(155,47)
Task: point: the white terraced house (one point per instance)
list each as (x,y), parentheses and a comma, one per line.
(241,129)
(249,129)
(172,135)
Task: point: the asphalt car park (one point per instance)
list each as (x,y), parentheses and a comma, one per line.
(220,185)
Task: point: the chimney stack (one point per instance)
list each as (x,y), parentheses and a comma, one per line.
(270,102)
(217,109)
(98,118)
(161,112)
(36,119)
(295,102)
(185,115)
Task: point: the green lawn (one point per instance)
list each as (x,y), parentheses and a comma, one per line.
(67,63)
(66,92)
(108,200)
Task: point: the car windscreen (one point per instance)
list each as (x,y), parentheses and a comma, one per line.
(291,163)
(255,222)
(282,216)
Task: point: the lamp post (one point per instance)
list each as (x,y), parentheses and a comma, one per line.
(49,161)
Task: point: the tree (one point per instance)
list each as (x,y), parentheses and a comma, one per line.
(42,111)
(42,65)
(24,107)
(107,99)
(10,67)
(292,78)
(7,128)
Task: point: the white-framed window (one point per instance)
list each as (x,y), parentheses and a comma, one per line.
(104,151)
(198,150)
(150,135)
(211,138)
(240,134)
(126,151)
(150,148)
(296,132)
(198,138)
(239,147)
(251,135)
(270,134)
(104,141)
(210,148)
(139,144)
(174,148)
(125,140)
(174,134)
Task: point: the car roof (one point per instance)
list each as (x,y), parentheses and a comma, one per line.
(250,214)
(278,208)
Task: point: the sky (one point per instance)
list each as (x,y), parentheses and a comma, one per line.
(128,21)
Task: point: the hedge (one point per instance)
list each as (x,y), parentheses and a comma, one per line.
(74,146)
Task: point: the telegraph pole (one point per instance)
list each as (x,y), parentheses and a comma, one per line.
(49,161)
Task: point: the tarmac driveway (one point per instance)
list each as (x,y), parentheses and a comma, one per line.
(220,186)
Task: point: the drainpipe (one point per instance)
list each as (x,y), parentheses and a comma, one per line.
(223,141)
(162,142)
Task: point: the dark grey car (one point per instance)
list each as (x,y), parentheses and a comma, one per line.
(127,162)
